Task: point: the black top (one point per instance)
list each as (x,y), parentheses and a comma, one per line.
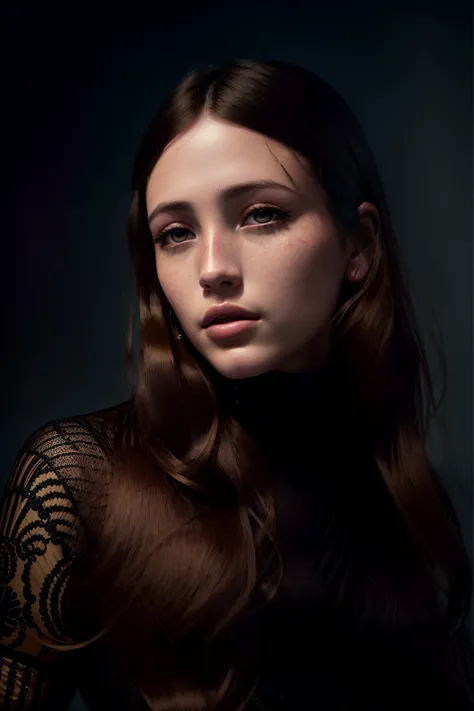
(329,640)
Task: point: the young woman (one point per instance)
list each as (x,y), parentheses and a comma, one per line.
(259,526)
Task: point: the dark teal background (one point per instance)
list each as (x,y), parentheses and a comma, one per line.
(82,87)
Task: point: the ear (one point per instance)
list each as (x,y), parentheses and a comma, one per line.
(361,243)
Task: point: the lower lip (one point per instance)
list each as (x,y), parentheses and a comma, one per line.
(219,331)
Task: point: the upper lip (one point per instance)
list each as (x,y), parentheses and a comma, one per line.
(226,312)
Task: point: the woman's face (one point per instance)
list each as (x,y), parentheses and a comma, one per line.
(283,261)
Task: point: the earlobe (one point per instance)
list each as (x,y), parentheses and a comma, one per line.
(358,266)
(355,272)
(360,260)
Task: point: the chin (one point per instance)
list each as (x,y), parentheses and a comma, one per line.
(237,365)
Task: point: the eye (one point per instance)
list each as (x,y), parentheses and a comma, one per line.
(261,211)
(165,238)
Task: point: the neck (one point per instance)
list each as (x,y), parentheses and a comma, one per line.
(279,407)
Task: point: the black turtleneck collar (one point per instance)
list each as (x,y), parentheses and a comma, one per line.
(281,409)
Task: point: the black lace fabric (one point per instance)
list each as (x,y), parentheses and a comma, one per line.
(40,526)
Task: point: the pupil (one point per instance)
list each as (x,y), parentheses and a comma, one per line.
(259,212)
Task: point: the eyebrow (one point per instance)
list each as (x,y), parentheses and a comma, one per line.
(227,194)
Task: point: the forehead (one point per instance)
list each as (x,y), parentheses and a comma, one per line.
(213,153)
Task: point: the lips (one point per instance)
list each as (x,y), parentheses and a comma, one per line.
(225,313)
(231,330)
(222,319)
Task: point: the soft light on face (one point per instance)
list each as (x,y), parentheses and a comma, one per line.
(284,262)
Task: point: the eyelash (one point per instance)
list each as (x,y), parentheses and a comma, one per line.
(282,221)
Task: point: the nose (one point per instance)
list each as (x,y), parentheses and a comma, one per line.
(214,280)
(220,262)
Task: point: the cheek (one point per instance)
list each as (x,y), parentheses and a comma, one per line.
(310,278)
(312,263)
(172,285)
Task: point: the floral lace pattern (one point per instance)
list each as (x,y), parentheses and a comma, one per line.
(39,525)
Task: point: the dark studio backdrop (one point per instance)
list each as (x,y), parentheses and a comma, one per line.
(81,89)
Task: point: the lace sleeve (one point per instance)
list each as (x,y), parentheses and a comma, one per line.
(37,525)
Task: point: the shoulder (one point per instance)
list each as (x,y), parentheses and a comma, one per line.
(41,518)
(72,435)
(60,460)
(66,447)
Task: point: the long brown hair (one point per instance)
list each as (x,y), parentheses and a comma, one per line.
(187,515)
